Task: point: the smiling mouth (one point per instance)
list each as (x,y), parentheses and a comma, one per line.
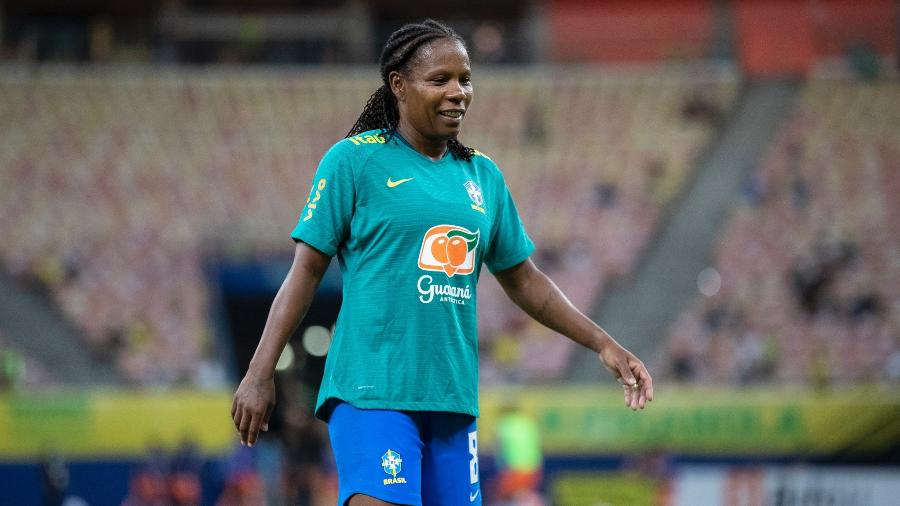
(452,114)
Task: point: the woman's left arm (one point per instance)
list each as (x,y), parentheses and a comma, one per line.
(539,296)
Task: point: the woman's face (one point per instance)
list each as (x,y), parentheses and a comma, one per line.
(434,94)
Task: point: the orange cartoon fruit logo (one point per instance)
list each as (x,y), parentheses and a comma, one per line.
(449,249)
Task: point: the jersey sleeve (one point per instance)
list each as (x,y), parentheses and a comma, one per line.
(325,220)
(510,244)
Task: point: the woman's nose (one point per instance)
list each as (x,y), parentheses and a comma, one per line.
(456,91)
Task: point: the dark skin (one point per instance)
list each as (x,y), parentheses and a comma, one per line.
(432,98)
(436,87)
(255,397)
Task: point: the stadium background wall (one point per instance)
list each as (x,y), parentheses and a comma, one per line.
(773,37)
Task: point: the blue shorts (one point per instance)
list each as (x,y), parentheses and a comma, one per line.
(420,458)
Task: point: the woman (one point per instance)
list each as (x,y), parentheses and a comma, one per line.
(412,214)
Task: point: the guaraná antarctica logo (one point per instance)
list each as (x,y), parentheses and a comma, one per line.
(392,464)
(449,249)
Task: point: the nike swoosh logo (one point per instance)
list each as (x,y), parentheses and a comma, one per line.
(473,496)
(398,182)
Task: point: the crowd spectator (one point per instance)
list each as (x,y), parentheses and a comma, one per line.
(810,261)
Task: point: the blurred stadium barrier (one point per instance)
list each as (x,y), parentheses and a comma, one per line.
(784,485)
(706,421)
(582,419)
(113,424)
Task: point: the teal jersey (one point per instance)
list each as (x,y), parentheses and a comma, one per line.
(410,235)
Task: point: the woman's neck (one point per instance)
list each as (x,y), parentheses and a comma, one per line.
(432,149)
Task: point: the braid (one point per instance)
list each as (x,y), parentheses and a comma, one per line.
(381,109)
(380,112)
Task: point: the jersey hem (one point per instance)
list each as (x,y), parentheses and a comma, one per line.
(323,247)
(524,255)
(395,406)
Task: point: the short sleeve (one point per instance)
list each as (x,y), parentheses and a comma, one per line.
(510,244)
(325,220)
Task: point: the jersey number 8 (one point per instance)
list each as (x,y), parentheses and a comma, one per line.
(473,464)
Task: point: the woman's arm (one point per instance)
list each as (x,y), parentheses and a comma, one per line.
(255,396)
(539,296)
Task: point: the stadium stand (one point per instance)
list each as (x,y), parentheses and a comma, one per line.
(592,159)
(127,179)
(809,260)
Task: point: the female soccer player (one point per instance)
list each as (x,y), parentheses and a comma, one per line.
(412,214)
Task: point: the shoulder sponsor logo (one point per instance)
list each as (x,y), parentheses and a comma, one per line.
(394,184)
(366,139)
(479,153)
(313,200)
(449,249)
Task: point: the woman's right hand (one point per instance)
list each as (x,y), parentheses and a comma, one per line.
(255,396)
(252,405)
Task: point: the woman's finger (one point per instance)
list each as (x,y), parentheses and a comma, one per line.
(625,373)
(627,391)
(237,418)
(253,430)
(265,420)
(646,382)
(244,427)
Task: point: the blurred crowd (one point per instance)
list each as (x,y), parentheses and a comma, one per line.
(120,185)
(592,159)
(809,262)
(117,188)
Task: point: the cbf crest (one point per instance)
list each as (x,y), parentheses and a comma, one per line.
(391,463)
(475,194)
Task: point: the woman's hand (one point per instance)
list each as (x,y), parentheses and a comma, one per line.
(255,397)
(535,293)
(252,405)
(630,372)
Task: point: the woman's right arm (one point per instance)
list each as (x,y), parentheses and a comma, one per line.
(255,396)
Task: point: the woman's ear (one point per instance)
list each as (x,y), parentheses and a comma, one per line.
(398,85)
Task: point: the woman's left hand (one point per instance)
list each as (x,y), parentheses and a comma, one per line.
(630,373)
(534,292)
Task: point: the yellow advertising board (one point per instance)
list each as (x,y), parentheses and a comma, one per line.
(712,421)
(113,424)
(572,420)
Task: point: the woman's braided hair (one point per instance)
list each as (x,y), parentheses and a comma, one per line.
(381,109)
